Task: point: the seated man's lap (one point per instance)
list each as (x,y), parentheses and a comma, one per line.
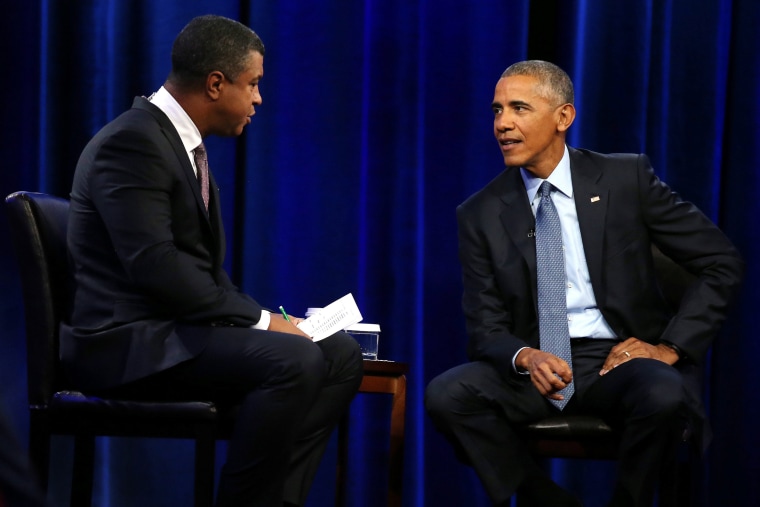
(478,386)
(233,361)
(239,360)
(639,386)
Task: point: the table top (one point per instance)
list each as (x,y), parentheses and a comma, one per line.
(382,367)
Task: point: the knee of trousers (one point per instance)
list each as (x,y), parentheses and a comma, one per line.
(305,364)
(663,395)
(444,398)
(344,353)
(346,349)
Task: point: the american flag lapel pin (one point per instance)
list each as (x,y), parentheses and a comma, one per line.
(595,198)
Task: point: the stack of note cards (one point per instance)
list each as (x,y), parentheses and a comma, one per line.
(334,317)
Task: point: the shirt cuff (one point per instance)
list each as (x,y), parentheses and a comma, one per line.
(263,322)
(514,366)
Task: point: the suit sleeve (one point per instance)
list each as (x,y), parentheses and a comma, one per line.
(487,306)
(148,210)
(687,236)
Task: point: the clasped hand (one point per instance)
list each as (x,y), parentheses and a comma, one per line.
(279,324)
(550,374)
(633,348)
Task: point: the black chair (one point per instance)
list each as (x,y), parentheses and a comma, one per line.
(588,437)
(38,228)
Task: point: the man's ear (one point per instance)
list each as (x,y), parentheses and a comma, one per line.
(566,116)
(214,84)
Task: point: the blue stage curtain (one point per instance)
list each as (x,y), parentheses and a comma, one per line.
(375,124)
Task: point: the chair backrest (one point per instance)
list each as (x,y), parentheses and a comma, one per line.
(38,230)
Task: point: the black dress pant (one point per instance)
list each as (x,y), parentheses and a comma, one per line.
(476,407)
(292,392)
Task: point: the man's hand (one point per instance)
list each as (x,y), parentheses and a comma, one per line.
(633,348)
(279,324)
(548,372)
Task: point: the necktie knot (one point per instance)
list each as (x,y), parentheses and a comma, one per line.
(546,189)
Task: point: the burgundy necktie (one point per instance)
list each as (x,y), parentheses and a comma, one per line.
(201,164)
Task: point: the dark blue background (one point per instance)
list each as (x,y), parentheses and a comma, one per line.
(375,124)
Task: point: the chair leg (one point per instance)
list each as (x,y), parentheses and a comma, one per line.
(205,450)
(84,468)
(398,414)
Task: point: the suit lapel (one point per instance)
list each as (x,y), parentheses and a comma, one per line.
(212,217)
(518,221)
(591,204)
(179,149)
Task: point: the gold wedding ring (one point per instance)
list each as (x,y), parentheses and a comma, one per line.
(627,354)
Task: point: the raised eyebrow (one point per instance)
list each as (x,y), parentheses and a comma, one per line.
(518,103)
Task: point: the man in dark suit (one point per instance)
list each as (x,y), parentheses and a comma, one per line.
(155,314)
(627,354)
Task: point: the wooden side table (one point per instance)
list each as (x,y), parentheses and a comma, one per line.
(383,377)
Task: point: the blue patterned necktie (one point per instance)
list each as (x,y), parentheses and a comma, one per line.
(552,298)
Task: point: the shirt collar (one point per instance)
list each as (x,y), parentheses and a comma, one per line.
(559,177)
(188,132)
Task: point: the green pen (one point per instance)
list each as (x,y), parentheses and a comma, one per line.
(284,313)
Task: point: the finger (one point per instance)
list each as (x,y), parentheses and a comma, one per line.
(547,382)
(624,345)
(540,387)
(611,362)
(541,384)
(558,372)
(615,359)
(555,382)
(565,373)
(621,353)
(556,386)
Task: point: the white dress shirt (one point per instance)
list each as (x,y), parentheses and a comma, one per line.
(191,138)
(583,316)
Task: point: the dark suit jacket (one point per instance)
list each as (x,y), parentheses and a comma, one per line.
(146,256)
(634,210)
